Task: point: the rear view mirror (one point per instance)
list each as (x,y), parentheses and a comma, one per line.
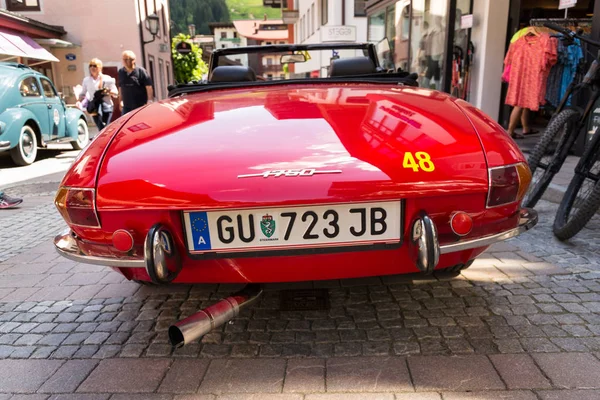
(292,58)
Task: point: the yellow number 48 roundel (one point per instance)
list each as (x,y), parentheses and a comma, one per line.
(423,161)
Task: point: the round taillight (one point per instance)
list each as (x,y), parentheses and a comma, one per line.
(461,223)
(122,240)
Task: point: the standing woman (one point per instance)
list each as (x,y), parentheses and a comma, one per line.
(98,88)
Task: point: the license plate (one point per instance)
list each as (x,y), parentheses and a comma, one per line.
(293,227)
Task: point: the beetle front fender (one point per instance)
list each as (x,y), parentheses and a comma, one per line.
(72,116)
(12,121)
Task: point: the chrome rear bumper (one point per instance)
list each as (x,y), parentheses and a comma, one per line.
(66,245)
(4,145)
(528,218)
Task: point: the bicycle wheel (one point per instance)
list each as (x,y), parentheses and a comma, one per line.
(548,151)
(581,200)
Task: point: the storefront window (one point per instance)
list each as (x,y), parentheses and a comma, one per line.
(376,27)
(392,24)
(428,39)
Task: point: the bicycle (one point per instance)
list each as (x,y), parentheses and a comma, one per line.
(563,130)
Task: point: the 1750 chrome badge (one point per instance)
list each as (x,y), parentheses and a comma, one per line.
(291,173)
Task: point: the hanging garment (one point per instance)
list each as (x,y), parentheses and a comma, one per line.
(531,58)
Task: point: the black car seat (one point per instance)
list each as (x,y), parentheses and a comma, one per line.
(352,66)
(232,73)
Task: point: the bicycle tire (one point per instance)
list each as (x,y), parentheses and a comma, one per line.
(555,128)
(564,227)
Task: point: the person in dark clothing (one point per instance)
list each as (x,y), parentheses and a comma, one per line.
(135,84)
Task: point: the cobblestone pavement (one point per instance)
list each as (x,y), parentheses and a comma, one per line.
(522,323)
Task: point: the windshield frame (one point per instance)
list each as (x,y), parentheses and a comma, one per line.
(285,48)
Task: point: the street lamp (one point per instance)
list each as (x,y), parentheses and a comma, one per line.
(192,30)
(152,20)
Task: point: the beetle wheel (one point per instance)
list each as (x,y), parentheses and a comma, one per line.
(83,135)
(25,152)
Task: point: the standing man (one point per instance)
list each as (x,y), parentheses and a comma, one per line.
(135,83)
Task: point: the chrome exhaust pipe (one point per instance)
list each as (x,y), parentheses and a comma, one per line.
(204,321)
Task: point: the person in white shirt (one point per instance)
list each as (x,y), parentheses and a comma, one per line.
(98,90)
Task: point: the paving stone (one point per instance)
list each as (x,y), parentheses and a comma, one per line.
(570,370)
(68,377)
(488,395)
(12,373)
(519,371)
(184,376)
(454,373)
(244,376)
(367,374)
(569,394)
(65,351)
(126,376)
(355,396)
(86,351)
(305,376)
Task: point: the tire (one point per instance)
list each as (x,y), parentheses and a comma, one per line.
(25,152)
(555,134)
(578,206)
(83,135)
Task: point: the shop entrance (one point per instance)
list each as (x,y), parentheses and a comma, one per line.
(569,65)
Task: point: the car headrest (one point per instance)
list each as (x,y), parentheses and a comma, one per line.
(352,66)
(232,73)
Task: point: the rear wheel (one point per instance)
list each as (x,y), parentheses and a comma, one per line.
(26,150)
(548,151)
(83,135)
(580,202)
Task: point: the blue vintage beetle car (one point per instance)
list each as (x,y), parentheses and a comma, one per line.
(32,114)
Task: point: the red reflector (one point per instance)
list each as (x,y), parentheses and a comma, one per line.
(504,185)
(461,223)
(122,240)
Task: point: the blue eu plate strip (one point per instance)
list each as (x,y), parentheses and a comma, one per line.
(200,230)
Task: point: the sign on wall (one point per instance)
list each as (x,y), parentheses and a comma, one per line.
(566,4)
(466,21)
(70,56)
(183,47)
(342,33)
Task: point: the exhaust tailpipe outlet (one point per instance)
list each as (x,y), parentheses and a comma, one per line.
(199,324)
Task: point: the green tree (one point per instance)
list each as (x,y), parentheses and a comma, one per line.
(197,12)
(187,67)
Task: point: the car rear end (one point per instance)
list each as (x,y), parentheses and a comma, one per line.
(293,184)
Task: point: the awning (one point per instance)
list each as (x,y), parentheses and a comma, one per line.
(14,44)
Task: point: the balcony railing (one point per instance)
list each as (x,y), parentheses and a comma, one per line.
(231,39)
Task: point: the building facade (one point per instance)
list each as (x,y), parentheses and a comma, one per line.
(263,33)
(322,21)
(101,30)
(226,36)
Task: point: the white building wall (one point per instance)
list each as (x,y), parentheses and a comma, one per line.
(309,33)
(490,18)
(223,43)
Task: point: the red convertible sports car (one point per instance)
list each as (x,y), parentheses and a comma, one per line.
(245,179)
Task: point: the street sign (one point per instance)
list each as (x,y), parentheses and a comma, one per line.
(566,4)
(70,56)
(163,48)
(183,48)
(341,33)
